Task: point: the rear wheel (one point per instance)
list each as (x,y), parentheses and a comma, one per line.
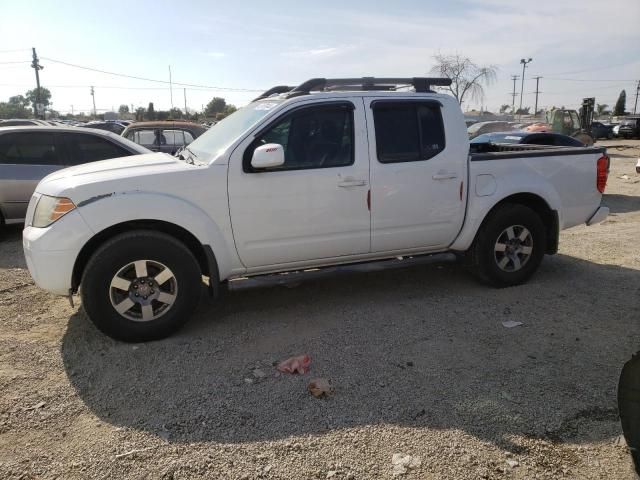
(509,246)
(141,285)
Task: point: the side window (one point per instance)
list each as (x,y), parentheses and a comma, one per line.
(90,148)
(33,148)
(313,137)
(177,137)
(143,137)
(407,132)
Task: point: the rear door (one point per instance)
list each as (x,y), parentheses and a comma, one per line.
(418,174)
(25,159)
(315,205)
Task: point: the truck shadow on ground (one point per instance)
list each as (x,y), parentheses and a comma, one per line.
(621,203)
(11,242)
(422,347)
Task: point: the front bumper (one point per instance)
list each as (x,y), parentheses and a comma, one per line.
(52,251)
(601,214)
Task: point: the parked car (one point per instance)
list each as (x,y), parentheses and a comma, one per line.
(166,137)
(601,130)
(528,138)
(111,126)
(16,122)
(28,154)
(487,127)
(333,171)
(630,127)
(616,130)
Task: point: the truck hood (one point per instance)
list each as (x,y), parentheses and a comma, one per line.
(136,172)
(134,164)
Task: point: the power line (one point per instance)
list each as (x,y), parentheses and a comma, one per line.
(586,80)
(13,63)
(134,77)
(13,51)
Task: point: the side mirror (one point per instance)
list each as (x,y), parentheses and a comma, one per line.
(268,156)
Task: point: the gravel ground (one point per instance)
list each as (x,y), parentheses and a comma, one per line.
(420,361)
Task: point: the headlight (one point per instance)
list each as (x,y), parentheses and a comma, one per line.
(49,209)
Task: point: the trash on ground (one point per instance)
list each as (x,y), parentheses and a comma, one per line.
(300,364)
(511,323)
(403,463)
(513,463)
(624,177)
(319,387)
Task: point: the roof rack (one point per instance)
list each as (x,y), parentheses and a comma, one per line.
(421,84)
(278,89)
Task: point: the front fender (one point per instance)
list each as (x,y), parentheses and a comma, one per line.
(104,211)
(485,194)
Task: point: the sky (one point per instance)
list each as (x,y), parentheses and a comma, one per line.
(580,48)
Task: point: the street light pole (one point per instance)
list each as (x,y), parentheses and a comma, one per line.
(524,66)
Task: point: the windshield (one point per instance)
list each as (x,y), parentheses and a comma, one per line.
(475,127)
(225,132)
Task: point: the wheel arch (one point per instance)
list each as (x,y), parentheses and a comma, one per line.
(204,256)
(539,205)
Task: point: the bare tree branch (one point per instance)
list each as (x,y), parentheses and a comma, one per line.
(466,77)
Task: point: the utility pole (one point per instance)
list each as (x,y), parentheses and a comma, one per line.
(170,87)
(93,95)
(524,66)
(635,107)
(514,94)
(186,113)
(72,110)
(37,67)
(537,92)
(132,112)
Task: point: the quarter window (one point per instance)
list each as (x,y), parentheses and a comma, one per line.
(313,137)
(408,132)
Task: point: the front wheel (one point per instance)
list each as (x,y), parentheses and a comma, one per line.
(141,285)
(509,246)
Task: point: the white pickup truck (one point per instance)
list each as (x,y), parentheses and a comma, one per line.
(333,171)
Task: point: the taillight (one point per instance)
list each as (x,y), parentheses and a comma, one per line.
(602,173)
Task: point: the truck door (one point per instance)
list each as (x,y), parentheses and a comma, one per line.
(418,173)
(315,205)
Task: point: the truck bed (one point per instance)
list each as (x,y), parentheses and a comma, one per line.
(498,151)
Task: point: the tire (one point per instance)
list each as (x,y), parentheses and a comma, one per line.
(495,242)
(152,278)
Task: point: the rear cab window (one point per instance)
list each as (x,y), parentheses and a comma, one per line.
(408,131)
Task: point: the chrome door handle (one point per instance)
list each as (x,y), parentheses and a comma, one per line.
(351,182)
(445,176)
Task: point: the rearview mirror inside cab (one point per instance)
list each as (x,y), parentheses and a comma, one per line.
(268,156)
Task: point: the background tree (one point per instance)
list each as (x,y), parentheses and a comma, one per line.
(620,104)
(16,107)
(601,108)
(215,106)
(151,113)
(504,108)
(523,111)
(45,96)
(175,112)
(123,109)
(140,112)
(466,77)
